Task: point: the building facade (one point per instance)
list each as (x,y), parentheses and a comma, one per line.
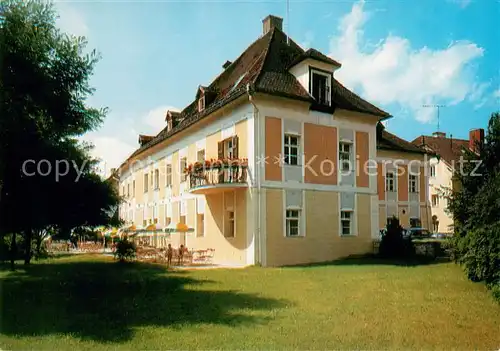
(445,156)
(274,163)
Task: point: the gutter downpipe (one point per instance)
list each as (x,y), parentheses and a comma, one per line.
(258,237)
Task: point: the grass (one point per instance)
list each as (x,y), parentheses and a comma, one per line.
(91,302)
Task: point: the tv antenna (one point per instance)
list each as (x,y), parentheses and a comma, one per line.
(288,22)
(437,107)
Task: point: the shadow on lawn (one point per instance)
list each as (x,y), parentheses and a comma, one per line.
(104,301)
(375,260)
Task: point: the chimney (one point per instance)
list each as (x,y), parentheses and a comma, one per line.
(226,64)
(271,21)
(476,139)
(439,135)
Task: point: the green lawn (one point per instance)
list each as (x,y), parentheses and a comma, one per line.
(91,302)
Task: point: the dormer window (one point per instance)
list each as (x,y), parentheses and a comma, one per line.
(320,86)
(201,103)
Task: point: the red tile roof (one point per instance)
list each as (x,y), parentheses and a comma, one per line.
(263,66)
(448,149)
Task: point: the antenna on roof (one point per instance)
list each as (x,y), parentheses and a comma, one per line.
(436,106)
(288,22)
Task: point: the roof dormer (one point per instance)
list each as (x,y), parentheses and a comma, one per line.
(204,96)
(314,71)
(173,118)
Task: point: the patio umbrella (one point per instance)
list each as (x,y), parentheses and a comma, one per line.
(179,228)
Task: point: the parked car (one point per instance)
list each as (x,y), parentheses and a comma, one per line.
(417,233)
(439,235)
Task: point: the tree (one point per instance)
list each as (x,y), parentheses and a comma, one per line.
(44,84)
(475,205)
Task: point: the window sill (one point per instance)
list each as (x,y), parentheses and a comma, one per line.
(295,236)
(348,235)
(289,165)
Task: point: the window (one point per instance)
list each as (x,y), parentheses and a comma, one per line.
(228,148)
(123,190)
(168,177)
(320,85)
(200,224)
(291,150)
(168,220)
(146,182)
(389,181)
(201,103)
(183,167)
(133,188)
(128,190)
(433,171)
(144,223)
(292,222)
(413,183)
(435,200)
(345,157)
(155,221)
(157,180)
(229,229)
(346,222)
(182,219)
(200,157)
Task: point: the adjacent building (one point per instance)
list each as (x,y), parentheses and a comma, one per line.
(447,153)
(275,162)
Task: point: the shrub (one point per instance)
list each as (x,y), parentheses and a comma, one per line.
(393,244)
(125,250)
(480,253)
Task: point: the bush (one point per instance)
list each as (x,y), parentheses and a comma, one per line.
(479,253)
(393,244)
(125,250)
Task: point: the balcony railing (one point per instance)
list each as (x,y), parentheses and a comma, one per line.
(220,176)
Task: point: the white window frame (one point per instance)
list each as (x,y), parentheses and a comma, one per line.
(351,222)
(433,171)
(328,85)
(181,168)
(201,103)
(288,146)
(156,183)
(350,145)
(198,154)
(435,203)
(388,181)
(228,148)
(412,183)
(168,175)
(289,218)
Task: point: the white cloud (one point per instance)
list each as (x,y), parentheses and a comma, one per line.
(71,21)
(496,94)
(118,138)
(396,73)
(462,3)
(155,118)
(112,151)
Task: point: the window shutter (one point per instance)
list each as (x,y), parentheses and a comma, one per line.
(235,146)
(220,147)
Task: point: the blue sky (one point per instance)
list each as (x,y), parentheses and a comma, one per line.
(398,54)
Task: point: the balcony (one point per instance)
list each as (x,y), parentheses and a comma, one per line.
(217,176)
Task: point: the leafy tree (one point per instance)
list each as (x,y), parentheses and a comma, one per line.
(44,84)
(475,205)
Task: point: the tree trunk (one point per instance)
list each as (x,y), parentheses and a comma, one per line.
(38,244)
(27,247)
(13,251)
